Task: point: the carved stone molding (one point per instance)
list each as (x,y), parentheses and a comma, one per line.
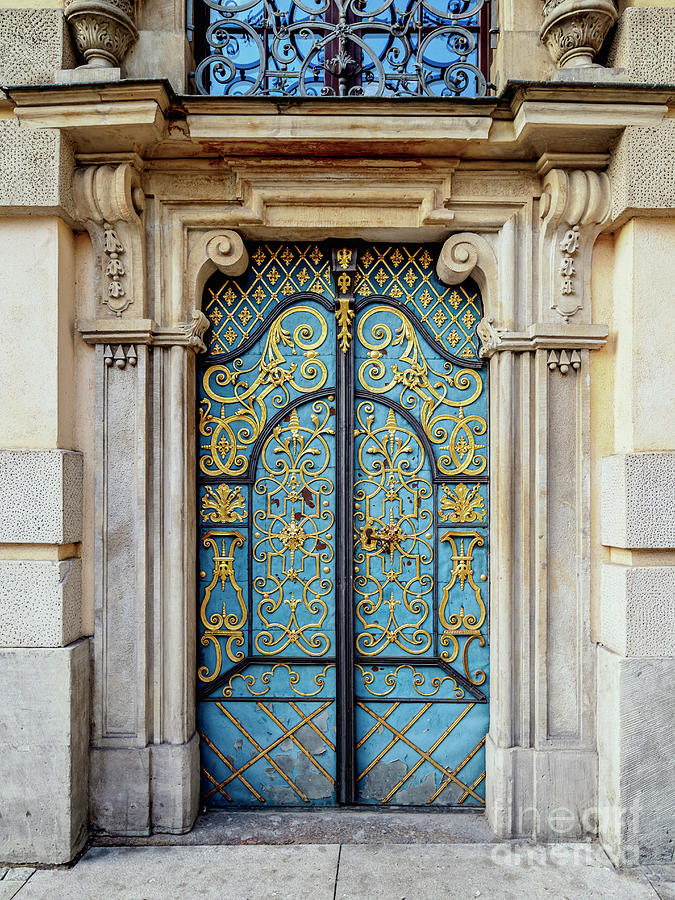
(110,202)
(574,30)
(564,341)
(103,30)
(467,255)
(574,206)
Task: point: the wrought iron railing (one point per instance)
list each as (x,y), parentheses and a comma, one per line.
(345,48)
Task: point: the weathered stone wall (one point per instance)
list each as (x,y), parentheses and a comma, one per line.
(634,618)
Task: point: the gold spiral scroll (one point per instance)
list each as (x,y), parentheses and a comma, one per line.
(431,395)
(234,418)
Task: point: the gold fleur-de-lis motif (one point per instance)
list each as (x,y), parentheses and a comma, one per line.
(345,316)
(344,257)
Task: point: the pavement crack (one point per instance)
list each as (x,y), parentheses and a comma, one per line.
(337,872)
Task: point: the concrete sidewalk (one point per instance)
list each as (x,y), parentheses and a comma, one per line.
(497,871)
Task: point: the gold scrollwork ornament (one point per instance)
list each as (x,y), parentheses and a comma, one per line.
(223,624)
(462,624)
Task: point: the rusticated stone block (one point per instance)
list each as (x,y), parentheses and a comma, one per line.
(638,610)
(638,500)
(40,602)
(636,797)
(644,45)
(642,171)
(41,496)
(48,157)
(34,43)
(44,746)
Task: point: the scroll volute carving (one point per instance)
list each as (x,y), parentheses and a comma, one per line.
(110,203)
(574,206)
(208,252)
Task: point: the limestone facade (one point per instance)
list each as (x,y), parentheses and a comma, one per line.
(118,199)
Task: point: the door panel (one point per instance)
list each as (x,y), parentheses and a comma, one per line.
(358,675)
(267,420)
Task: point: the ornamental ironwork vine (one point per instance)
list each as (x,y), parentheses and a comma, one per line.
(377,48)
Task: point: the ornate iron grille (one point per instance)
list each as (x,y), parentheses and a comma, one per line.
(354,48)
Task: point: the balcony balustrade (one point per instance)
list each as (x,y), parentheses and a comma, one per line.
(342,48)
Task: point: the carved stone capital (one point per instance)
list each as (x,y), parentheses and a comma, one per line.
(574,30)
(574,206)
(110,202)
(103,30)
(195,330)
(562,341)
(117,334)
(490,337)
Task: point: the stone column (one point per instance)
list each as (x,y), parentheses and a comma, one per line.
(144,756)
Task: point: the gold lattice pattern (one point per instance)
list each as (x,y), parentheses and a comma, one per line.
(294,737)
(448,775)
(276,271)
(408,275)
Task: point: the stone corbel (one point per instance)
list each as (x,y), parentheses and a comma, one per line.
(573,31)
(110,202)
(468,255)
(574,207)
(212,251)
(103,30)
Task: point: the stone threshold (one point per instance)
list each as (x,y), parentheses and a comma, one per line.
(321,826)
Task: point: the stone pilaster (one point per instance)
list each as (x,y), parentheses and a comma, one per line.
(541,749)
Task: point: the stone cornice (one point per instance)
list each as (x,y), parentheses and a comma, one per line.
(523,122)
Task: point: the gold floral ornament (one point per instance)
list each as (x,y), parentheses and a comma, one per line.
(222,504)
(461,504)
(435,394)
(235,409)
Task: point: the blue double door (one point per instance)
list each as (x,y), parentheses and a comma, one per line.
(343,532)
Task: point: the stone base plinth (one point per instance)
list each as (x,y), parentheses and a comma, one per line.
(636,711)
(137,791)
(44,743)
(547,795)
